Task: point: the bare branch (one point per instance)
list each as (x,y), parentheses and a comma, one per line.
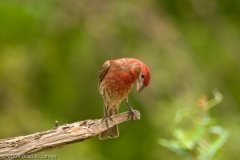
(58,137)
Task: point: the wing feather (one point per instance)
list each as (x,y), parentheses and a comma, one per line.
(103,71)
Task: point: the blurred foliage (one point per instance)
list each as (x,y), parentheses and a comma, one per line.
(51,52)
(204,139)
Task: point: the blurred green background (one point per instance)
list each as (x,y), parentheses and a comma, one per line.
(51,52)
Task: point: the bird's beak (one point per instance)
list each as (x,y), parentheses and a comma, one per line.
(139,86)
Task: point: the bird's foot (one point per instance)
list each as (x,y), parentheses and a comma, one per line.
(106,118)
(131,113)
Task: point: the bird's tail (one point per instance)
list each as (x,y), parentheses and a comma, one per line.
(109,133)
(113,131)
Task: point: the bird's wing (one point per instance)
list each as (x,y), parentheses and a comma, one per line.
(103,71)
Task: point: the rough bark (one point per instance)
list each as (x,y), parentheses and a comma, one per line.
(58,137)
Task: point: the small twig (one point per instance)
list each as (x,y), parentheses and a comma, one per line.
(58,137)
(56,125)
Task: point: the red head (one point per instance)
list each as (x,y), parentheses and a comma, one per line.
(139,72)
(143,77)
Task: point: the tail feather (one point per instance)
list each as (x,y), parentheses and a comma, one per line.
(114,132)
(109,133)
(104,135)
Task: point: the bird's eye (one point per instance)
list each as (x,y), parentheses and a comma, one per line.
(142,75)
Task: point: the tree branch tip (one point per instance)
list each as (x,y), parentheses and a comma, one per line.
(56,125)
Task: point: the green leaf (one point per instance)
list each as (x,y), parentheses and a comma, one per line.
(216,130)
(217,99)
(174,146)
(214,147)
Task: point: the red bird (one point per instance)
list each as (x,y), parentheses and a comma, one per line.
(115,83)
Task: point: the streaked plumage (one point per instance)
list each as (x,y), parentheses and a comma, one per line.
(115,83)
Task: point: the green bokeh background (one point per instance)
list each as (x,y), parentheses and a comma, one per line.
(51,52)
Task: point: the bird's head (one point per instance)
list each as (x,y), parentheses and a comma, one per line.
(142,76)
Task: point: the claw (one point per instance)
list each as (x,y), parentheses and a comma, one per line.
(107,117)
(131,110)
(131,113)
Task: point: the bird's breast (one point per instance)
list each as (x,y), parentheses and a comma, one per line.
(116,84)
(112,92)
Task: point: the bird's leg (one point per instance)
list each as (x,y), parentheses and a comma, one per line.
(131,110)
(106,116)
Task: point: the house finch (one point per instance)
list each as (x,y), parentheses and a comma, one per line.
(115,83)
